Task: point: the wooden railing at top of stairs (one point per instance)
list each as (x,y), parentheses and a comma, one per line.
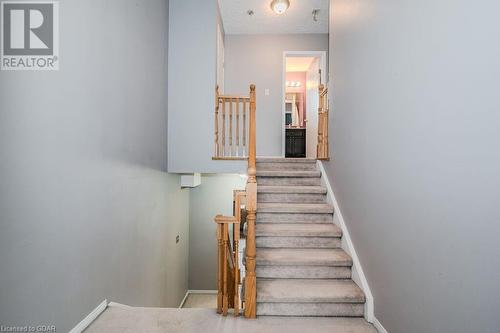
(231,127)
(228,277)
(322,151)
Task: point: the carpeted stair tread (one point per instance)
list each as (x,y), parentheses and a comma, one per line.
(285,160)
(314,208)
(303,257)
(292,189)
(308,291)
(288,173)
(297,230)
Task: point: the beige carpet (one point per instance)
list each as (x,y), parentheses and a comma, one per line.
(118,319)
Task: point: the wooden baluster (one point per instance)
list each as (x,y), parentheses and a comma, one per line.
(324,136)
(322,148)
(237,127)
(230,127)
(236,238)
(220,264)
(251,190)
(230,278)
(319,150)
(223,151)
(319,123)
(225,300)
(216,122)
(244,127)
(326,149)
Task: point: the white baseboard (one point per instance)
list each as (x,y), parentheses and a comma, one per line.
(379,326)
(184,299)
(194,291)
(81,326)
(357,271)
(119,305)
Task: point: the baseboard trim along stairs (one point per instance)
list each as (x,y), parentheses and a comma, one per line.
(306,264)
(358,274)
(81,326)
(378,326)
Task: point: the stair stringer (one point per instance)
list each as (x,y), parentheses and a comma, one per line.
(358,276)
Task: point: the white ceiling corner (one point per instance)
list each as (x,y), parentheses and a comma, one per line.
(297,19)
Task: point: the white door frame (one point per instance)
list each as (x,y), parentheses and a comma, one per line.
(220,59)
(322,62)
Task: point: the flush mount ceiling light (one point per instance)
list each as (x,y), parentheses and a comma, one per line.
(280,6)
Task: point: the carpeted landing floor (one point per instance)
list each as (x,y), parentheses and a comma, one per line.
(123,319)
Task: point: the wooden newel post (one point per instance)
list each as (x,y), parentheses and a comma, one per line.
(326,110)
(220,273)
(251,190)
(216,121)
(319,149)
(225,282)
(322,148)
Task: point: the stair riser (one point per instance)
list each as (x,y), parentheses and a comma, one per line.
(299,242)
(292,197)
(295,209)
(303,272)
(310,309)
(287,166)
(289,181)
(294,218)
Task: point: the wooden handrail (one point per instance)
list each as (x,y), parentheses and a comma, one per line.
(228,273)
(227,97)
(322,150)
(220,219)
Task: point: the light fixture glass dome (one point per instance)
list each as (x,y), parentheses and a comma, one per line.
(280,6)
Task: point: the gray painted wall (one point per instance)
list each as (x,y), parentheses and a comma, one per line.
(87,210)
(415,133)
(214,196)
(192,77)
(258,59)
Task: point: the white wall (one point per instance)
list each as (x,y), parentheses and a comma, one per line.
(312,105)
(192,80)
(258,59)
(416,159)
(87,210)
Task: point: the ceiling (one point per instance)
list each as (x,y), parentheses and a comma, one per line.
(297,19)
(298,64)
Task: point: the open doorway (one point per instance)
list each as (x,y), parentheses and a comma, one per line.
(303,72)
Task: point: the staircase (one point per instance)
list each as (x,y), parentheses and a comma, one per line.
(301,269)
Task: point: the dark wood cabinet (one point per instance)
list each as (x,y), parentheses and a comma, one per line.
(295,142)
